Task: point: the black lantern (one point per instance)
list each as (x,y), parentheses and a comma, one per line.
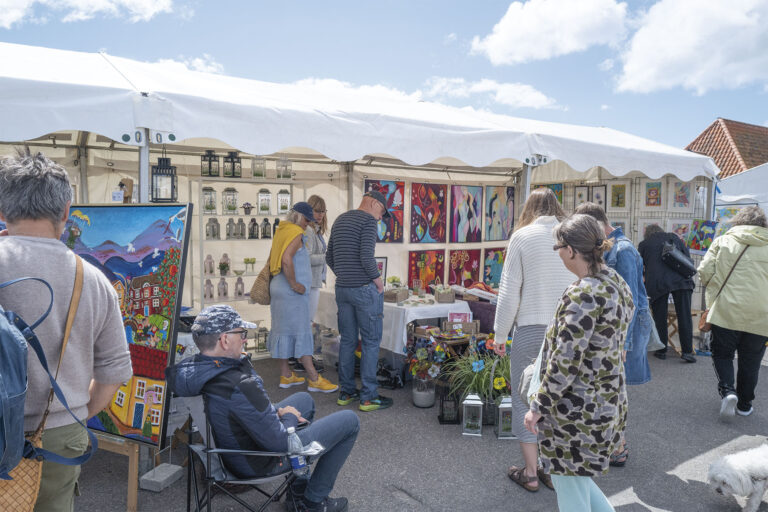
(232,165)
(209,163)
(449,403)
(163,181)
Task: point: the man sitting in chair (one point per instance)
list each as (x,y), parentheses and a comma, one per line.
(243,418)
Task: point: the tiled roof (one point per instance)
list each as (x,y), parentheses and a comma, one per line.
(148,361)
(734,146)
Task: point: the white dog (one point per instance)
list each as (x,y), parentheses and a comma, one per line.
(742,474)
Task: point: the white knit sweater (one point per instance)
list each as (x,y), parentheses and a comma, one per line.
(533,280)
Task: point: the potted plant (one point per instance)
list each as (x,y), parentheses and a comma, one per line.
(247,207)
(425,356)
(223,268)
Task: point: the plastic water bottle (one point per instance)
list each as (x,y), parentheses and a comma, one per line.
(298,462)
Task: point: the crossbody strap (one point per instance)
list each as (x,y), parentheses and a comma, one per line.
(729,273)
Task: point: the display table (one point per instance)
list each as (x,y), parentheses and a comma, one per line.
(396,318)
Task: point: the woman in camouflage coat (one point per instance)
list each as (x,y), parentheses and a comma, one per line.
(580,408)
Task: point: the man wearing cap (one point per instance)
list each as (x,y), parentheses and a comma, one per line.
(243,418)
(359,298)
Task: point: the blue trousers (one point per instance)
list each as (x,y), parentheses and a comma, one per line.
(337,433)
(361,311)
(579,494)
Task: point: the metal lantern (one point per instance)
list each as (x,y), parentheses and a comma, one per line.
(259,167)
(232,165)
(163,181)
(209,201)
(209,163)
(283,202)
(264,202)
(449,404)
(472,416)
(284,168)
(503,426)
(229,201)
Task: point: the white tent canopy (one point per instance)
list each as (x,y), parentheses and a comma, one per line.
(750,186)
(45,90)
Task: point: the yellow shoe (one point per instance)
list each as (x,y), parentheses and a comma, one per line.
(322,385)
(289,382)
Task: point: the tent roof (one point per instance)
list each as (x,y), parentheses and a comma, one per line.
(45,90)
(750,186)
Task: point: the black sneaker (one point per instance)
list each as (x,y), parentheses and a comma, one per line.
(295,494)
(298,367)
(327,505)
(347,398)
(380,402)
(661,354)
(688,358)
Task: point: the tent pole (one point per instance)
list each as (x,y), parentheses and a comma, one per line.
(527,170)
(82,157)
(350,167)
(144,168)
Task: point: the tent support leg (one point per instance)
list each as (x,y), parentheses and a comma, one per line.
(350,168)
(144,168)
(82,156)
(527,170)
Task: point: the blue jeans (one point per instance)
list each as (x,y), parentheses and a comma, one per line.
(636,366)
(579,494)
(361,310)
(337,433)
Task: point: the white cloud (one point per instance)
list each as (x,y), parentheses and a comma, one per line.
(606,65)
(450,38)
(542,29)
(379,91)
(18,11)
(206,63)
(515,95)
(698,45)
(605,107)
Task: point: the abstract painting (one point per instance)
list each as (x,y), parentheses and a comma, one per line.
(466,212)
(428,212)
(580,195)
(557,188)
(493,265)
(464,267)
(618,196)
(381,264)
(499,212)
(390,230)
(141,249)
(597,195)
(680,227)
(426,267)
(642,225)
(724,215)
(702,234)
(652,192)
(680,197)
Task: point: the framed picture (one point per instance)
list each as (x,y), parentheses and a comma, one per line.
(381,264)
(466,213)
(580,195)
(620,224)
(428,212)
(724,215)
(652,195)
(499,212)
(619,196)
(390,230)
(642,225)
(425,267)
(597,195)
(680,227)
(493,265)
(464,267)
(557,188)
(681,196)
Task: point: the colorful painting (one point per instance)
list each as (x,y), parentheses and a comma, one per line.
(557,188)
(724,215)
(702,234)
(580,196)
(390,230)
(618,196)
(597,195)
(642,224)
(680,227)
(493,266)
(142,251)
(499,212)
(652,195)
(466,212)
(426,267)
(381,264)
(464,268)
(428,212)
(680,196)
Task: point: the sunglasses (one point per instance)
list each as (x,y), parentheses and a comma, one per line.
(243,334)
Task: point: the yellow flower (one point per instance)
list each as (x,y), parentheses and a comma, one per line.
(499,383)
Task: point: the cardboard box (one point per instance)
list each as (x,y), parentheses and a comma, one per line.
(426,330)
(472,327)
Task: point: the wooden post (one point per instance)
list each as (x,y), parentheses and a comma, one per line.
(131,450)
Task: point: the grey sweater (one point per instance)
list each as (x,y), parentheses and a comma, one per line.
(97,347)
(316,247)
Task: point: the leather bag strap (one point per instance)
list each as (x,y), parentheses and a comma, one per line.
(729,273)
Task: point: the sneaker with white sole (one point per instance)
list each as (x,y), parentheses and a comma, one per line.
(322,385)
(745,413)
(289,382)
(728,407)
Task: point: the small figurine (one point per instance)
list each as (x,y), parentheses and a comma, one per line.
(239,288)
(240,229)
(274,226)
(223,289)
(266,229)
(208,265)
(231,229)
(208,294)
(253,229)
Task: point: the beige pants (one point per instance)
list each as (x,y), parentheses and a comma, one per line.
(58,483)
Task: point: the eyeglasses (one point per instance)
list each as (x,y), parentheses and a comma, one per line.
(243,334)
(557,247)
(319,211)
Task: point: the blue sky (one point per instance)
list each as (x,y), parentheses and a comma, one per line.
(661,69)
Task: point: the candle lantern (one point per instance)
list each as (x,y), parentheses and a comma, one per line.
(233,165)
(449,404)
(163,181)
(229,201)
(503,426)
(283,202)
(209,163)
(266,229)
(264,201)
(472,416)
(259,167)
(284,168)
(262,336)
(209,201)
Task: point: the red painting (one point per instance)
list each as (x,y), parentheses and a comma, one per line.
(425,266)
(464,268)
(390,230)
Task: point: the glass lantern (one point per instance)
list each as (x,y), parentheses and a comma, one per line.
(264,202)
(284,168)
(473,416)
(449,404)
(209,201)
(163,181)
(229,201)
(259,167)
(232,165)
(283,202)
(503,426)
(209,163)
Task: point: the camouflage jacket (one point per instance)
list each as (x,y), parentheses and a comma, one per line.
(583,398)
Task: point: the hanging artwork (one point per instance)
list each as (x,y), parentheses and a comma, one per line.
(642,225)
(652,195)
(499,212)
(618,196)
(724,215)
(620,224)
(680,196)
(597,195)
(381,264)
(580,196)
(428,212)
(466,209)
(464,268)
(493,265)
(702,234)
(390,230)
(680,227)
(426,267)
(141,249)
(557,188)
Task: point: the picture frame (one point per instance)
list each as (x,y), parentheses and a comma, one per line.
(652,195)
(680,227)
(680,196)
(619,198)
(580,195)
(643,223)
(597,195)
(381,263)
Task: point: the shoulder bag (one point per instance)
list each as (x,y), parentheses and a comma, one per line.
(260,289)
(676,259)
(705,326)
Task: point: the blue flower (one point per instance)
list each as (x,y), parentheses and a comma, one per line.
(478,366)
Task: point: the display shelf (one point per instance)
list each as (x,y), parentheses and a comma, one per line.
(206,240)
(247,274)
(228,299)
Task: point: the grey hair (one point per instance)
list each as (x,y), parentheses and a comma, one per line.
(205,342)
(33,187)
(750,216)
(294,217)
(652,229)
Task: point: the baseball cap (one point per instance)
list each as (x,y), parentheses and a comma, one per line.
(380,198)
(305,209)
(217,319)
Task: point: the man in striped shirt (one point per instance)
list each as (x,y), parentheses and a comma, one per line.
(359,298)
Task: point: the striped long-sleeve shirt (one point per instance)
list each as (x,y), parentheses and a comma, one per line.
(351,249)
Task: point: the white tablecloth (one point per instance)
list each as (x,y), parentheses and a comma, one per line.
(396,318)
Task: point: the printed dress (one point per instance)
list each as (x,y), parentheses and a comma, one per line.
(583,397)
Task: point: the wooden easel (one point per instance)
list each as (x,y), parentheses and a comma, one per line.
(131,450)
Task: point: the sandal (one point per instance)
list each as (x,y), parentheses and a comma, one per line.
(619,459)
(518,476)
(545,478)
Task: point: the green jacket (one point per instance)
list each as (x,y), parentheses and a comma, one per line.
(743,303)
